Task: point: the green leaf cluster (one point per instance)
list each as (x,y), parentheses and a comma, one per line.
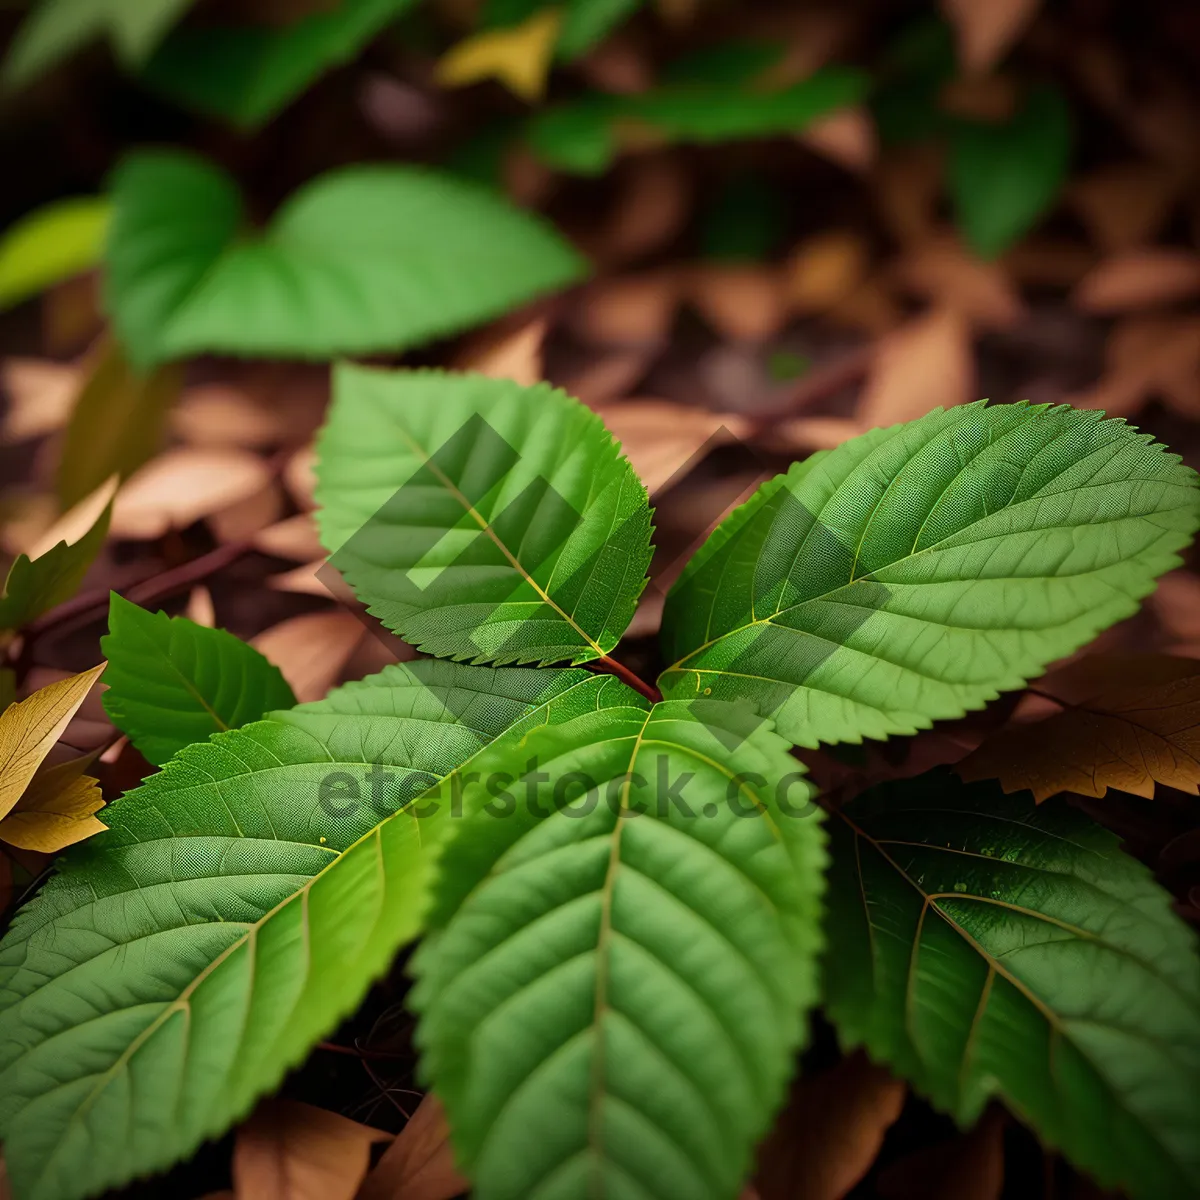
(623,898)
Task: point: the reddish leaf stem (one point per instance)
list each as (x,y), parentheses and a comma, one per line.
(625,675)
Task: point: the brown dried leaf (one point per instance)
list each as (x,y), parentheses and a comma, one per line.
(806,434)
(299,477)
(987,30)
(1124,205)
(1139,279)
(943,271)
(419,1164)
(846,137)
(826,1139)
(619,65)
(304,581)
(744,303)
(293,1151)
(243,520)
(184,485)
(217,414)
(200,607)
(310,650)
(924,364)
(607,378)
(1133,720)
(517,356)
(824,270)
(661,438)
(630,310)
(971,1167)
(40,397)
(295,538)
(1147,356)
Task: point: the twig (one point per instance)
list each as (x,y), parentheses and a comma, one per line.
(155,588)
(625,675)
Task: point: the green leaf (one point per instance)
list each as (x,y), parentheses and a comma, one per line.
(986,947)
(116,424)
(240,904)
(480,519)
(585,22)
(57,28)
(584,136)
(1004,177)
(247,74)
(736,63)
(172,682)
(35,586)
(914,573)
(51,244)
(617,976)
(362,259)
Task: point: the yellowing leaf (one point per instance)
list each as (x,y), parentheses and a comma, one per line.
(116,424)
(419,1164)
(1130,721)
(293,1151)
(51,244)
(518,56)
(30,728)
(56,810)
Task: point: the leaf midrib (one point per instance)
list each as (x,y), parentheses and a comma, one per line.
(486,527)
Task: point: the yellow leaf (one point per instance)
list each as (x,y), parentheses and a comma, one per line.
(1130,721)
(30,728)
(519,56)
(293,1151)
(56,810)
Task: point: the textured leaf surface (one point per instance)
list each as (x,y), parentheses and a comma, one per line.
(584,136)
(481,519)
(1130,721)
(1004,177)
(172,682)
(51,244)
(361,259)
(987,947)
(57,28)
(616,982)
(914,573)
(248,74)
(239,905)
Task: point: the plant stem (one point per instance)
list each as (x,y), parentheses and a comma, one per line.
(625,675)
(155,588)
